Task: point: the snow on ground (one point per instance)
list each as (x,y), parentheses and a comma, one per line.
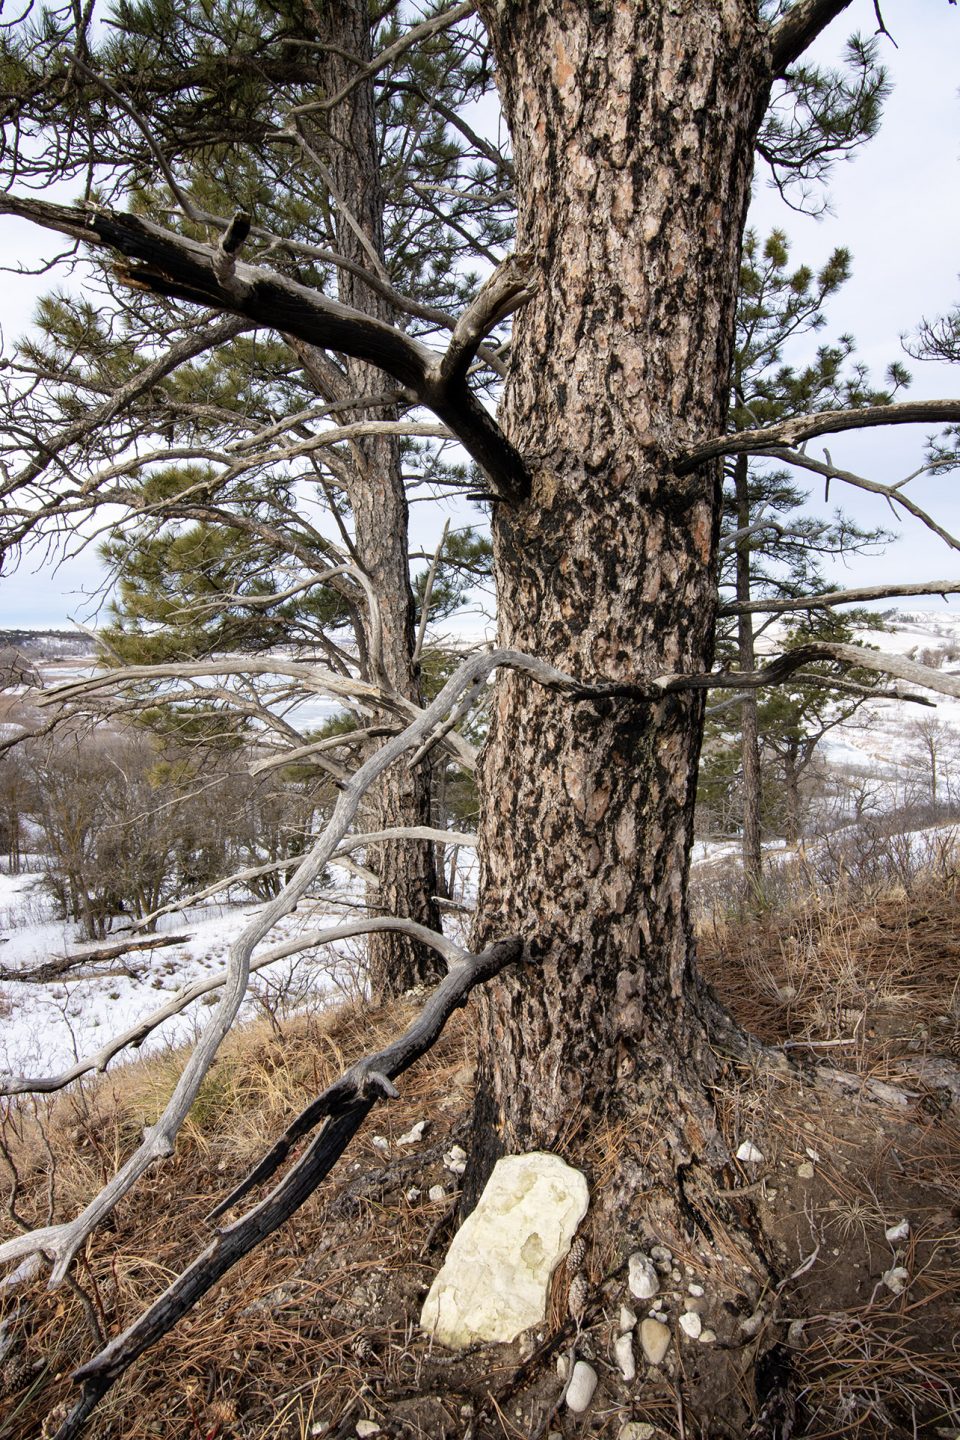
(44,1028)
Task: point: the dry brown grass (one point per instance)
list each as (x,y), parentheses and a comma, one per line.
(318,1326)
(254,1355)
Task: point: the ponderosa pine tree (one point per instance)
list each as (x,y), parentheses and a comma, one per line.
(634,130)
(352,177)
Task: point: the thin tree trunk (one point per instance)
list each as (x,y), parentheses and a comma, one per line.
(749,741)
(405,870)
(633,153)
(791,790)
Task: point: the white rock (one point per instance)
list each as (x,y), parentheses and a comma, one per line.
(436,1192)
(628,1319)
(813,1154)
(636,1430)
(900,1231)
(707,1337)
(795,1333)
(563,1367)
(496,1278)
(367,1427)
(691,1324)
(414,1134)
(749,1152)
(583,1382)
(455,1159)
(806,1170)
(695,1290)
(380,1142)
(660,1252)
(414,1193)
(752,1324)
(623,1354)
(642,1280)
(654,1340)
(896,1280)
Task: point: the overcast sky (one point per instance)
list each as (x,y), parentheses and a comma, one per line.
(896,206)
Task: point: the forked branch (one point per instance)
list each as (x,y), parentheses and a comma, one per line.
(345,1104)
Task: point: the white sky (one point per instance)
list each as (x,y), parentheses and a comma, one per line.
(896,206)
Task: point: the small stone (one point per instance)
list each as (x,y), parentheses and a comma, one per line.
(795,1333)
(692,1304)
(806,1171)
(708,1337)
(813,1154)
(643,1280)
(380,1142)
(675,1276)
(691,1324)
(900,1231)
(752,1324)
(695,1290)
(896,1280)
(660,1252)
(563,1367)
(627,1320)
(583,1382)
(654,1340)
(414,1134)
(414,1193)
(436,1192)
(623,1354)
(455,1159)
(636,1430)
(367,1427)
(749,1152)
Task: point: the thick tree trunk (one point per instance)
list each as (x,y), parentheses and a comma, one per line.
(405,870)
(634,128)
(749,740)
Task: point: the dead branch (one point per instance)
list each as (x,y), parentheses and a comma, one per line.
(509,287)
(165,263)
(840,597)
(828,422)
(60,964)
(135,1036)
(346,1104)
(798,29)
(411,37)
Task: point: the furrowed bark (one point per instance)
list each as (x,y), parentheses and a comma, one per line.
(633,158)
